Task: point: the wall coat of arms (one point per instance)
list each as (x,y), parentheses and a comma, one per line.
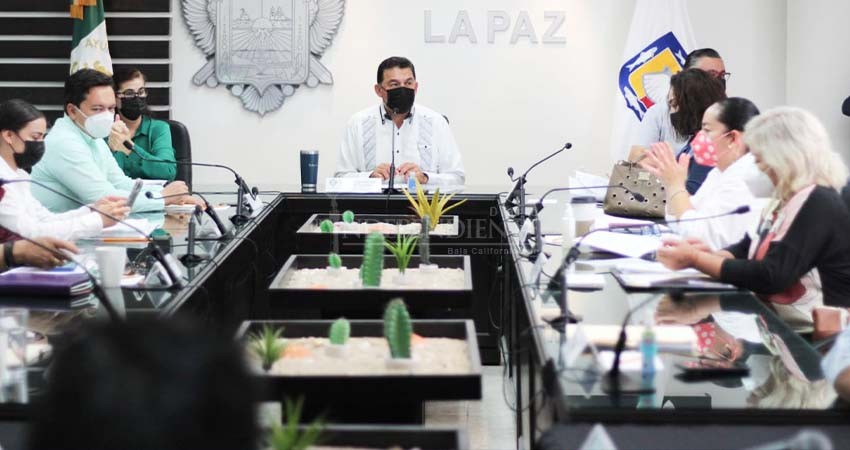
(263,50)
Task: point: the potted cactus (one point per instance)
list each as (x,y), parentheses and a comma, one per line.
(373,260)
(398,332)
(267,345)
(425,246)
(338,335)
(403,251)
(334,264)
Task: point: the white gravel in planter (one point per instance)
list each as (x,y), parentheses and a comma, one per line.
(347,278)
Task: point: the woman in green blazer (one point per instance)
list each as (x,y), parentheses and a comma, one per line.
(150,137)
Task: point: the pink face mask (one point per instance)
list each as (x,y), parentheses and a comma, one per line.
(704,150)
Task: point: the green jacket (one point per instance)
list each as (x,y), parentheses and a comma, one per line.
(153,141)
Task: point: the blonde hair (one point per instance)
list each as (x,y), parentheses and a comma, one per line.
(795,146)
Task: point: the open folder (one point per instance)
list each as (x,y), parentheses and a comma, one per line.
(33,282)
(684,280)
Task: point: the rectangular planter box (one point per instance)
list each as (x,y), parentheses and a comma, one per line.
(375,436)
(310,240)
(396,398)
(369,301)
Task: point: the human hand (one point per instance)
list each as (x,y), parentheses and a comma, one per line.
(677,255)
(117,210)
(661,162)
(681,312)
(407,168)
(120,134)
(382,172)
(109,199)
(28,254)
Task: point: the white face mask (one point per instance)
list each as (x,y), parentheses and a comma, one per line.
(99,125)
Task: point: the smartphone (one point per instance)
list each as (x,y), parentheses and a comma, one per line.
(704,368)
(134,193)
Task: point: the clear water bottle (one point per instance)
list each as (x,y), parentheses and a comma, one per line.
(411,181)
(568,228)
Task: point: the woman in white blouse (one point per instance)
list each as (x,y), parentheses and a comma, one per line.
(22,131)
(735,180)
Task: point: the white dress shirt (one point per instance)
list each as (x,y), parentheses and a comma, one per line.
(424,139)
(21,213)
(721,192)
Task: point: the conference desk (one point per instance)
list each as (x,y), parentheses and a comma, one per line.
(557,390)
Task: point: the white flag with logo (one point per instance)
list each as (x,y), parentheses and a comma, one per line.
(659,40)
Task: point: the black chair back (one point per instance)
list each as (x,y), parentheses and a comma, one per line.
(182,151)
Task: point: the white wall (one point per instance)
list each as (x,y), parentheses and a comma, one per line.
(819,64)
(507,104)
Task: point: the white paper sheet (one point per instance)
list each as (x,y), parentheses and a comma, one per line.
(630,245)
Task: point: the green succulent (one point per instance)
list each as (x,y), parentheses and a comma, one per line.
(398,329)
(267,345)
(348,217)
(289,436)
(334,260)
(435,208)
(402,250)
(373,260)
(340,331)
(326,226)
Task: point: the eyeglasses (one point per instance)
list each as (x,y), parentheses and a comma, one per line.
(130,94)
(720,75)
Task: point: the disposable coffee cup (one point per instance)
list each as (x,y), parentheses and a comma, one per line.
(584,210)
(110,264)
(309,170)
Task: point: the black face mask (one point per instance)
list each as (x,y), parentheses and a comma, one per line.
(400,100)
(33,151)
(132,108)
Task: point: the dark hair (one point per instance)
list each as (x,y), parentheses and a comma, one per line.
(145,385)
(392,62)
(15,114)
(735,112)
(699,53)
(78,85)
(693,91)
(126,74)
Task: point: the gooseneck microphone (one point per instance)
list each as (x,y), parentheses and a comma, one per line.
(166,259)
(615,382)
(519,188)
(97,290)
(209,210)
(242,188)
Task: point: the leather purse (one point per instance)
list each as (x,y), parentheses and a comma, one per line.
(619,202)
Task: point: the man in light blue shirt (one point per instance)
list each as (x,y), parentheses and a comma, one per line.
(77,160)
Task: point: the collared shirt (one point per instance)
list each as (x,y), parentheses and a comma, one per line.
(721,192)
(83,168)
(21,213)
(424,139)
(152,141)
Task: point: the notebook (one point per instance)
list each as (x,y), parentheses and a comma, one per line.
(29,281)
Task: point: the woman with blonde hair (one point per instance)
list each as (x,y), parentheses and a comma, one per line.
(799,255)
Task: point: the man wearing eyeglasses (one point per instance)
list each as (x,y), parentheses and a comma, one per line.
(151,138)
(656,125)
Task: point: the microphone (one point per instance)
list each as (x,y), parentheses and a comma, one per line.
(240,218)
(806,439)
(511,173)
(391,181)
(168,261)
(519,188)
(845,107)
(558,280)
(209,210)
(97,290)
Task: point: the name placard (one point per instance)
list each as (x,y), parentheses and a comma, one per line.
(353,185)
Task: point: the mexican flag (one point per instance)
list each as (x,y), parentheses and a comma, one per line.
(89,46)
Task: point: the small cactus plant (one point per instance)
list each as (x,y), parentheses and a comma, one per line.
(397,329)
(334,261)
(326,226)
(373,260)
(267,345)
(348,216)
(340,331)
(425,241)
